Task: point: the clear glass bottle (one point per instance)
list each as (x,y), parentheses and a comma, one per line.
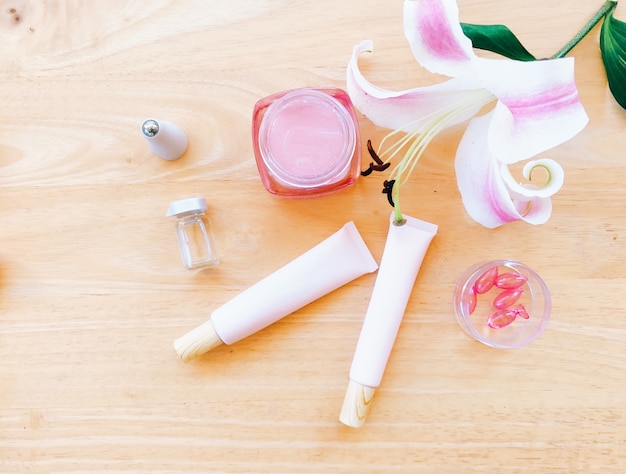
(196,242)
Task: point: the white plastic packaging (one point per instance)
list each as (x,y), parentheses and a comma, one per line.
(339,259)
(166,139)
(404,252)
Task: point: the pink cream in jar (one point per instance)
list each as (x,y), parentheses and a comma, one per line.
(306,142)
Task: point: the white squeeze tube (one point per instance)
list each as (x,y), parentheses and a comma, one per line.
(339,259)
(402,257)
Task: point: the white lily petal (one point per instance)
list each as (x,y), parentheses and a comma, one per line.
(483,190)
(434,33)
(413,109)
(535,211)
(556,177)
(538,108)
(537,99)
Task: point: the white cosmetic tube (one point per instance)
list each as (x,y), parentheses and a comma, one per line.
(402,257)
(339,259)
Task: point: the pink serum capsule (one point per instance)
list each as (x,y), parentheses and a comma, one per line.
(485,282)
(521,312)
(508,281)
(507,298)
(470,300)
(501,318)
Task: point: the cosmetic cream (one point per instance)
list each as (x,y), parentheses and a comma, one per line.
(306,142)
(402,257)
(339,259)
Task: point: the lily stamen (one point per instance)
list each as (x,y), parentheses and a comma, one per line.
(417,142)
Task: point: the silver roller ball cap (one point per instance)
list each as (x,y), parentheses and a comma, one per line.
(150,128)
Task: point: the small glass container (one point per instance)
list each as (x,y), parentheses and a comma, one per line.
(196,242)
(306,142)
(502,303)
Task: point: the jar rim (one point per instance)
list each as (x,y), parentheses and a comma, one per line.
(293,102)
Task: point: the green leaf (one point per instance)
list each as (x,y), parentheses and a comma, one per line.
(613,49)
(498,39)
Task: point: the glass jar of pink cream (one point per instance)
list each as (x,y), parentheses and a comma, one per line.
(306,142)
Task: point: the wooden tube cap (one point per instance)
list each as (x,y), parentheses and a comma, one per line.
(197,341)
(356,404)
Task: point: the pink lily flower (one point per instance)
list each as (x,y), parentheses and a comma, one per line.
(536,108)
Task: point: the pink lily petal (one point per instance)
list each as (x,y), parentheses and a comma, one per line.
(412,109)
(484,193)
(536,99)
(538,107)
(434,33)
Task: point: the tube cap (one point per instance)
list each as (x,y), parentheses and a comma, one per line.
(356,404)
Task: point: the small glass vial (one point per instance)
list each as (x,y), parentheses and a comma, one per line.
(193,232)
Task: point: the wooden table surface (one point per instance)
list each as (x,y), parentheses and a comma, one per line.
(93,292)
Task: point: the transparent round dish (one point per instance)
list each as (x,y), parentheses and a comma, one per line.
(502,303)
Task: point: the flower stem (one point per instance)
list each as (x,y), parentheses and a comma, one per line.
(397,214)
(607,8)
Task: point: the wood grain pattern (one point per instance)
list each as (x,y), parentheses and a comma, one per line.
(92,291)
